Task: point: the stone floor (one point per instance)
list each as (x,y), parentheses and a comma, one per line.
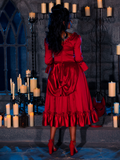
(39,151)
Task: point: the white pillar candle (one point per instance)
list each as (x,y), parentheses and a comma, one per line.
(5,121)
(15,121)
(66,5)
(23,89)
(30,108)
(115,121)
(116,107)
(18,83)
(13,90)
(74,8)
(99,2)
(109,11)
(15,109)
(118,49)
(36,92)
(31,119)
(8,121)
(28,73)
(58,2)
(11,85)
(43,7)
(50,6)
(111,89)
(8,108)
(87,11)
(0,121)
(32,15)
(33,84)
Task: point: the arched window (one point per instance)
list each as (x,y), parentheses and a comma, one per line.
(13,52)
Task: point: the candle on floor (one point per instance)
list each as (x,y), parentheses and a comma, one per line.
(99,2)
(74,8)
(8,121)
(118,49)
(111,89)
(116,107)
(36,92)
(23,89)
(0,121)
(30,108)
(15,109)
(31,119)
(43,7)
(15,121)
(115,121)
(50,6)
(28,73)
(87,11)
(5,121)
(66,5)
(58,2)
(8,108)
(32,15)
(33,84)
(109,11)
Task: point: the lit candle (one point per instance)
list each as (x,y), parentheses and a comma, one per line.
(74,8)
(23,89)
(118,49)
(13,90)
(8,121)
(0,121)
(33,84)
(15,109)
(50,6)
(111,89)
(32,15)
(43,7)
(36,92)
(66,5)
(11,85)
(115,121)
(31,119)
(20,82)
(87,11)
(99,2)
(30,108)
(109,11)
(28,73)
(15,121)
(5,121)
(116,107)
(8,108)
(58,2)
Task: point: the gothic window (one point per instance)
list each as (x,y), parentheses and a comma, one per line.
(13,53)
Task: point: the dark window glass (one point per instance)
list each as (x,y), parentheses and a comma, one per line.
(16,21)
(21,38)
(10,36)
(4,21)
(9,8)
(2,73)
(1,38)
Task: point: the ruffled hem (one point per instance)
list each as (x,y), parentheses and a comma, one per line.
(70,119)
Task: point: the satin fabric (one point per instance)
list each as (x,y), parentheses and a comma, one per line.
(68,101)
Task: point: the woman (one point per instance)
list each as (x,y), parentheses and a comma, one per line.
(68,101)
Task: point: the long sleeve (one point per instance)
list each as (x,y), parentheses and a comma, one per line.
(48,54)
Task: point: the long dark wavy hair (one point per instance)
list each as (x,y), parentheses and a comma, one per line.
(56,26)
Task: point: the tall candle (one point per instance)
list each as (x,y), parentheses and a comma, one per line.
(32,15)
(15,109)
(8,108)
(116,107)
(87,11)
(5,121)
(43,7)
(58,2)
(15,121)
(0,121)
(109,11)
(30,108)
(118,49)
(28,73)
(115,121)
(66,5)
(20,82)
(74,8)
(36,92)
(13,90)
(33,84)
(111,89)
(31,119)
(11,85)
(23,89)
(8,121)
(99,2)
(50,6)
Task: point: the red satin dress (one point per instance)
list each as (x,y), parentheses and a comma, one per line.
(68,100)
